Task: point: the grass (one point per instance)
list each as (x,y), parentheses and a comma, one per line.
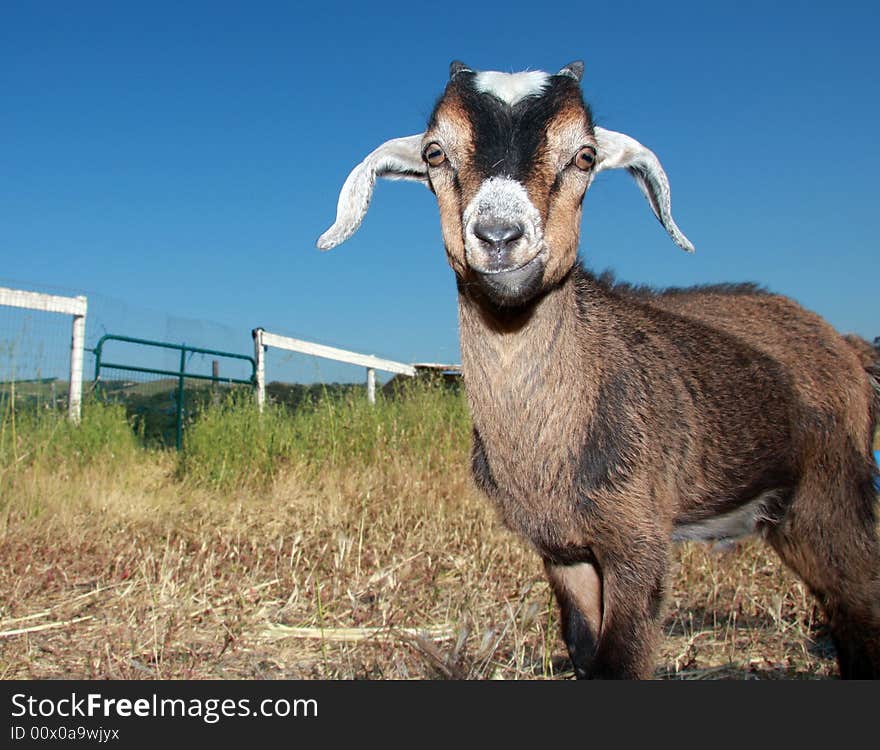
(425,423)
(42,439)
(340,541)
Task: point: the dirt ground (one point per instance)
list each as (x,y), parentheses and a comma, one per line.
(390,572)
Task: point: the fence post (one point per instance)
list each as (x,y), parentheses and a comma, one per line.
(371,385)
(77,348)
(260,374)
(215,375)
(180,397)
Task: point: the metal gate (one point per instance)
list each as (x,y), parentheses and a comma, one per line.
(174,380)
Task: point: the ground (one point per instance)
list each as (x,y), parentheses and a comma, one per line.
(390,571)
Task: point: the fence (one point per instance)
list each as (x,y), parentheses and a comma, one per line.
(174,379)
(149,384)
(263,339)
(77,307)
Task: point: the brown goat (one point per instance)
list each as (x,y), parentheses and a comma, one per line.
(610,420)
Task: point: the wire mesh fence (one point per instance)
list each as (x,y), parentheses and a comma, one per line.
(160,409)
(294,380)
(34,358)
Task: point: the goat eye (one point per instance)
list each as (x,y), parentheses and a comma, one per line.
(434,155)
(585,158)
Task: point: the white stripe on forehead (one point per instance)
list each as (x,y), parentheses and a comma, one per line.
(511,87)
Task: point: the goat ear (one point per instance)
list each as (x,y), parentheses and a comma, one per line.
(573,70)
(397,159)
(456,67)
(617,150)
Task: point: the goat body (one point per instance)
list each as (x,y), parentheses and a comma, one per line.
(610,421)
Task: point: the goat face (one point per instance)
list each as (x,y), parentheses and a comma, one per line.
(509,157)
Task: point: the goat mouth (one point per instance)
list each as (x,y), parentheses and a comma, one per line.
(514,286)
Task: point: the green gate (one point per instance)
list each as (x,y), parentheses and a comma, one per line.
(181,375)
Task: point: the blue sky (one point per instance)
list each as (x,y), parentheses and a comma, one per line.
(183,157)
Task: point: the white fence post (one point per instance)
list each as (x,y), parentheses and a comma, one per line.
(371,385)
(77,349)
(260,359)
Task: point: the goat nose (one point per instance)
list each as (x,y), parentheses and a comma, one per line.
(498,234)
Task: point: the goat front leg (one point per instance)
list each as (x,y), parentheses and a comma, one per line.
(578,590)
(610,612)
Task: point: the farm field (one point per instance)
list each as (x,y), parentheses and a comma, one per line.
(338,541)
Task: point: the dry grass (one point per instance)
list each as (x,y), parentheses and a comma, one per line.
(392,571)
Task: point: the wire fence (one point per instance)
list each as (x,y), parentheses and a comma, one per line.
(35,361)
(170,397)
(34,358)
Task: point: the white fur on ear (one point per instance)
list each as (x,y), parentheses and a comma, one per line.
(397,159)
(617,150)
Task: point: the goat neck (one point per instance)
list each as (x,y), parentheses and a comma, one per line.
(530,383)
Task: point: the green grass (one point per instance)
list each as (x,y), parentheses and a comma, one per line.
(46,438)
(234,445)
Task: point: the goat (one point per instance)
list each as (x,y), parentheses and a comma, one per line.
(610,421)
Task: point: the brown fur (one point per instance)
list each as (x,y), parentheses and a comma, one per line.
(718,396)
